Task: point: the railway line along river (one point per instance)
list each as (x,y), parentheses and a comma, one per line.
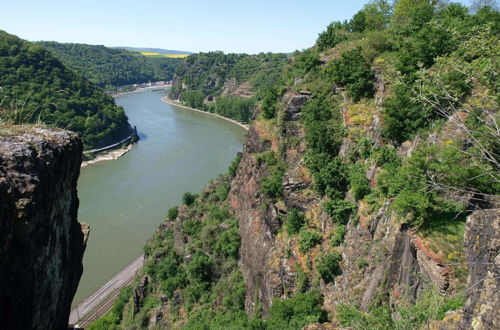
(125,200)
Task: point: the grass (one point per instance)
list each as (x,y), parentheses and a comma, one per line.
(444,235)
(164,55)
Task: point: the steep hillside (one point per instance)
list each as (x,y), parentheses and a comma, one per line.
(366,195)
(111,67)
(36,87)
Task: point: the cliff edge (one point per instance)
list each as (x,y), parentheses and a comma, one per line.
(41,241)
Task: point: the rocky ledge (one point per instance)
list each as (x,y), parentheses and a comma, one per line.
(41,241)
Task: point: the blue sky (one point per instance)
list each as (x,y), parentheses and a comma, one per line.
(194,25)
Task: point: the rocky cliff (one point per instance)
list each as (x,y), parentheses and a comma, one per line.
(41,241)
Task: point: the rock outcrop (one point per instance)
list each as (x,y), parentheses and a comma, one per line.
(482,247)
(41,241)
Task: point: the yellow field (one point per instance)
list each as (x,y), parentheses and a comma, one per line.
(164,55)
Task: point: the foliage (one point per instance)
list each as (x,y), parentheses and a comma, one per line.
(209,72)
(335,33)
(296,312)
(353,72)
(431,306)
(339,210)
(338,234)
(308,239)
(272,185)
(188,198)
(234,165)
(328,266)
(37,87)
(294,221)
(193,98)
(237,108)
(360,186)
(111,67)
(172,213)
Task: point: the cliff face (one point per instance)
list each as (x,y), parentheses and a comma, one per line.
(41,241)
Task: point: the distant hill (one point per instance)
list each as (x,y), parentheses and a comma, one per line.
(154,50)
(36,86)
(111,67)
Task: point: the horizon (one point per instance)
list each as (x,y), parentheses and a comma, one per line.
(193,27)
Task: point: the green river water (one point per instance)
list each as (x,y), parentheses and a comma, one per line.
(125,200)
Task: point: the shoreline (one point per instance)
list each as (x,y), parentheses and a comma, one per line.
(110,155)
(177,104)
(140,90)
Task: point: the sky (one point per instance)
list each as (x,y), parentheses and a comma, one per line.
(190,25)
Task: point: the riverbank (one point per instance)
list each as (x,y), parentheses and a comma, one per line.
(178,104)
(110,155)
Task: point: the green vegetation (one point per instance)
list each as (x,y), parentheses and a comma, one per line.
(173,213)
(111,67)
(308,239)
(431,306)
(328,266)
(272,185)
(36,87)
(294,222)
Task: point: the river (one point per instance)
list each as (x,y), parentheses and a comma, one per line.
(125,200)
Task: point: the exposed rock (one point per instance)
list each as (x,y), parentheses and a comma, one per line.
(293,104)
(482,247)
(41,241)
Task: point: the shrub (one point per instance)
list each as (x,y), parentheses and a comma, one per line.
(335,33)
(353,72)
(296,312)
(403,116)
(337,236)
(339,210)
(360,185)
(173,213)
(200,268)
(228,243)
(188,198)
(272,186)
(294,222)
(331,179)
(234,165)
(221,191)
(308,239)
(328,266)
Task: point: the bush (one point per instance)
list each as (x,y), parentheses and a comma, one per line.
(173,213)
(335,33)
(360,186)
(328,266)
(353,72)
(228,243)
(234,165)
(296,312)
(331,179)
(294,222)
(272,186)
(221,191)
(337,236)
(200,268)
(308,239)
(339,210)
(403,116)
(188,198)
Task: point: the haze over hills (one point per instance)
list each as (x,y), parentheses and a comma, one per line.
(154,50)
(112,67)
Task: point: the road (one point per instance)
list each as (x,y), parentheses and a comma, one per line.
(102,300)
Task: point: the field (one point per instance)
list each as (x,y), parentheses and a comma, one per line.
(164,55)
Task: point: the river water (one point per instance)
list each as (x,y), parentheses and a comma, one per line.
(125,200)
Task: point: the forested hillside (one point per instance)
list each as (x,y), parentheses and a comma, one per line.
(367,194)
(227,84)
(111,67)
(35,87)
